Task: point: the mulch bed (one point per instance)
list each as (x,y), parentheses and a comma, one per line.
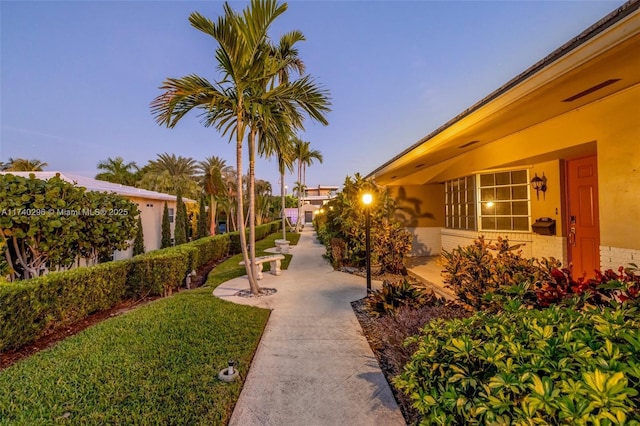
(9,357)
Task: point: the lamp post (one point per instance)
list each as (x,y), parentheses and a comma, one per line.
(367,198)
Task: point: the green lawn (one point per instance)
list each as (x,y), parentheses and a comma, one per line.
(155,365)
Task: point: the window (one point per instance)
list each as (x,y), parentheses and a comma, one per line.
(503,201)
(460,203)
(170,214)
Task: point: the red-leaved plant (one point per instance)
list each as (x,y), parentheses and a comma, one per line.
(605,287)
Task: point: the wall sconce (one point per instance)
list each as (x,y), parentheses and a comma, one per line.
(539,184)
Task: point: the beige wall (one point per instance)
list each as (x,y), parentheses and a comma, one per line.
(550,202)
(619,174)
(151,216)
(419,205)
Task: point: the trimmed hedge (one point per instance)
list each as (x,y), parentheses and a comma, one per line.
(261,232)
(30,308)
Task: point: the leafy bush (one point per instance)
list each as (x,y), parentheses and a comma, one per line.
(605,287)
(407,321)
(342,228)
(390,244)
(389,332)
(394,295)
(484,275)
(47,225)
(32,307)
(484,268)
(523,366)
(261,232)
(158,273)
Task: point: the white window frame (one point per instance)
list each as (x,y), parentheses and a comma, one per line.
(479,200)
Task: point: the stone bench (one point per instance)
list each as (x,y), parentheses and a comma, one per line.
(282,246)
(274,261)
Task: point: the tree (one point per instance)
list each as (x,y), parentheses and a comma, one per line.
(213,184)
(166,228)
(284,153)
(242,98)
(24,165)
(117,171)
(202,220)
(48,225)
(138,243)
(304,156)
(171,174)
(188,229)
(263,200)
(180,230)
(109,226)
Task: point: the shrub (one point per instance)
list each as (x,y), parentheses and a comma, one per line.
(604,288)
(523,366)
(261,232)
(32,307)
(390,243)
(407,321)
(483,268)
(394,295)
(345,219)
(158,273)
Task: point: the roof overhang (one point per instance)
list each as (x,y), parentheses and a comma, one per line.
(601,61)
(91,184)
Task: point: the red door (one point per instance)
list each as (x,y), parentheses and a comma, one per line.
(583,220)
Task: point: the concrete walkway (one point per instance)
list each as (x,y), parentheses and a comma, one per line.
(428,271)
(313,365)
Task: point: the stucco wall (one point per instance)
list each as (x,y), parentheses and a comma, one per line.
(426,241)
(151,216)
(619,173)
(419,205)
(550,203)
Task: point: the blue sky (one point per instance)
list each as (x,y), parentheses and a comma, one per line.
(77,77)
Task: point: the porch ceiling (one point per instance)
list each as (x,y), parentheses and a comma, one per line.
(613,57)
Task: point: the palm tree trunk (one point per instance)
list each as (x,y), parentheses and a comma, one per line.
(212,209)
(252,200)
(284,225)
(243,236)
(299,221)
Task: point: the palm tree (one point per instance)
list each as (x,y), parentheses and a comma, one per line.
(263,200)
(117,171)
(242,101)
(304,156)
(213,184)
(280,143)
(171,174)
(24,165)
(282,147)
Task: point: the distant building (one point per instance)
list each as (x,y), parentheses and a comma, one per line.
(315,198)
(150,205)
